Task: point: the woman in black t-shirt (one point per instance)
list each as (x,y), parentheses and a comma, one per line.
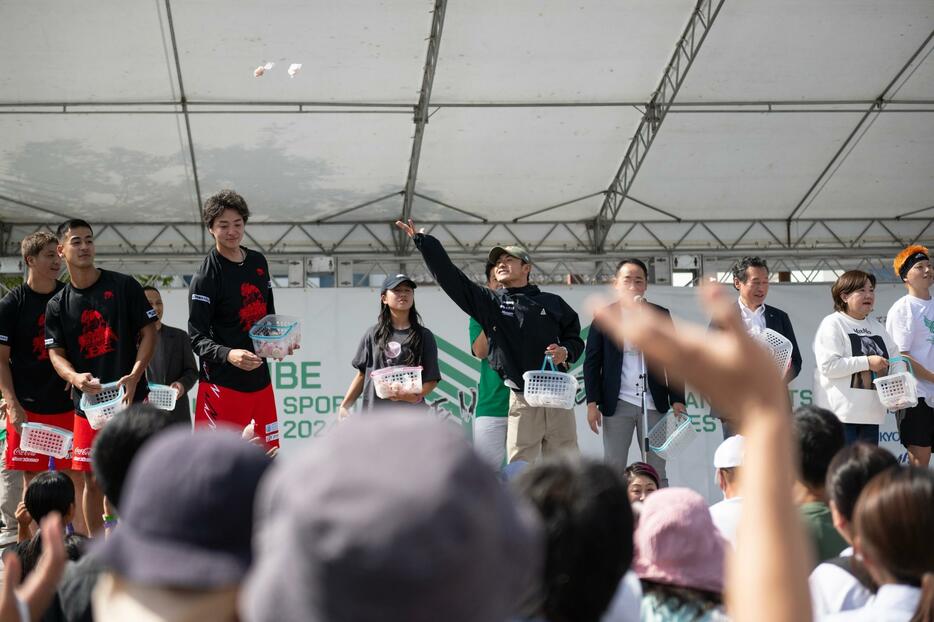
(397,340)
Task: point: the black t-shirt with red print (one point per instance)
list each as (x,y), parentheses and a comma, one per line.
(98,327)
(226,299)
(22,327)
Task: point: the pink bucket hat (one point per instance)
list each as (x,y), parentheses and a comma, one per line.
(676,541)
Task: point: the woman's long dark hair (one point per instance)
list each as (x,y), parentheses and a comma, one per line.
(414,340)
(893,520)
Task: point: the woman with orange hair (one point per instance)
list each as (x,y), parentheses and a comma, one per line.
(910,322)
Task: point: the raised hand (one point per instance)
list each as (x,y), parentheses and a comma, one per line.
(409,229)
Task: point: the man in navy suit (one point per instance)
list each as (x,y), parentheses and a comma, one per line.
(751,280)
(612,378)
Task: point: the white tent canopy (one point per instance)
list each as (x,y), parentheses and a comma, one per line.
(583,129)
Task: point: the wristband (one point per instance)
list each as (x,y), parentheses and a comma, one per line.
(110,521)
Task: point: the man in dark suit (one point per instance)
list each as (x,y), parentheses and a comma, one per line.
(173,363)
(751,280)
(612,378)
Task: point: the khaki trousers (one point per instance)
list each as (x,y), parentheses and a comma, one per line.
(536,431)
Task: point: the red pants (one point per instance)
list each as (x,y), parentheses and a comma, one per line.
(18,460)
(84,438)
(218,406)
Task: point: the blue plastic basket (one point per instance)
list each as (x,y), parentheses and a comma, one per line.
(670,436)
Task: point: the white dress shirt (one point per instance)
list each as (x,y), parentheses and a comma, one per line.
(631,383)
(754,320)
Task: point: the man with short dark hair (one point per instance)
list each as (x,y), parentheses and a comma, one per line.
(32,391)
(525,325)
(615,386)
(118,443)
(231,291)
(820,436)
(751,280)
(98,329)
(173,363)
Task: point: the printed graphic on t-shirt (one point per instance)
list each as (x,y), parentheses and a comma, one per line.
(507,306)
(38,341)
(930,325)
(866,345)
(393,350)
(96,338)
(252,307)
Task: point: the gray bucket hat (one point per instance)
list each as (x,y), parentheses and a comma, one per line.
(390,517)
(187,513)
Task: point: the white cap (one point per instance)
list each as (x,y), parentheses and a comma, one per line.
(730,453)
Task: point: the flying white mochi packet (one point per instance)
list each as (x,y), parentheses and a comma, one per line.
(259,71)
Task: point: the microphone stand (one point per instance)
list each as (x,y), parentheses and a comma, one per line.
(645,411)
(644,380)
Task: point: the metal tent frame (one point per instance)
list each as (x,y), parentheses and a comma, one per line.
(563,245)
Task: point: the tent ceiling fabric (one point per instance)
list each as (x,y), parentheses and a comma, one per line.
(755,165)
(804,50)
(892,170)
(533,51)
(106,166)
(107,50)
(493,172)
(533,105)
(353,50)
(302,167)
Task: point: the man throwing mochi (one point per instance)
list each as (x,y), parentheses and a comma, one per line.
(523,325)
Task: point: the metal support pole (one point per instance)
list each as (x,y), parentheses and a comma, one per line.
(705,12)
(421,119)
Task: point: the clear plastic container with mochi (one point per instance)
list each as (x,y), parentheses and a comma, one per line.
(276,336)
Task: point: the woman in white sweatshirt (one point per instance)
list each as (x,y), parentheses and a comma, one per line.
(849,347)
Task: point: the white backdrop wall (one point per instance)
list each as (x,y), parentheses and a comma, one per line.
(310,385)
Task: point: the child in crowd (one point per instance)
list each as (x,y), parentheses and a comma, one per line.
(50,491)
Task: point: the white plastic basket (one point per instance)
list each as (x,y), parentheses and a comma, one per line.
(162,396)
(100,408)
(48,440)
(778,345)
(670,436)
(408,379)
(549,388)
(275,336)
(899,390)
